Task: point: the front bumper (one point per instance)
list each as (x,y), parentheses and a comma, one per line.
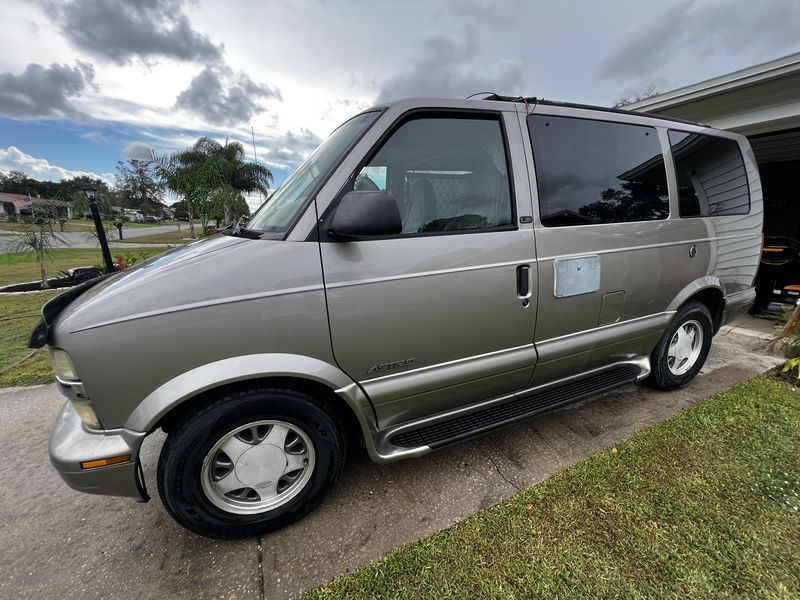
(71,444)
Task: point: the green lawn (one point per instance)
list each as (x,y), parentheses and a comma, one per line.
(19,314)
(138,225)
(704,505)
(168,237)
(71,225)
(19,268)
(78,225)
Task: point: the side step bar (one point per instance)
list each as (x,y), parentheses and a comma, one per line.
(494,417)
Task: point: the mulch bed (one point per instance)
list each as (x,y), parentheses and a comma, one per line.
(76,276)
(790,376)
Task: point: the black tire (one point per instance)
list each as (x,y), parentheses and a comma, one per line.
(195,433)
(661,377)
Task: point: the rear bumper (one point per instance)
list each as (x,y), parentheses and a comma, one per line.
(71,444)
(737,303)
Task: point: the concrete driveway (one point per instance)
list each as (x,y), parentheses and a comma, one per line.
(57,543)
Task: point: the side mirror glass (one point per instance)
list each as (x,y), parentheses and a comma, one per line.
(364,214)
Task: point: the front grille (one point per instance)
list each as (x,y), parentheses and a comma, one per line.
(500,415)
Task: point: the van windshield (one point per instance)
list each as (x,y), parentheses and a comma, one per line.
(277,214)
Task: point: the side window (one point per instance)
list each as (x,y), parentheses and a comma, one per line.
(712,180)
(447,174)
(590,172)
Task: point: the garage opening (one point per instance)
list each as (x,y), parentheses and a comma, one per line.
(778,157)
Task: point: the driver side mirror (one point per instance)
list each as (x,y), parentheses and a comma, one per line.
(363,214)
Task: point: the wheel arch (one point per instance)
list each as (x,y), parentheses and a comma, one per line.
(169,401)
(707,290)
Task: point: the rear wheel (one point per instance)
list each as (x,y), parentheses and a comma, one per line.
(682,350)
(250,462)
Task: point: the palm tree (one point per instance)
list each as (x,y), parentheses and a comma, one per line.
(209,173)
(39,238)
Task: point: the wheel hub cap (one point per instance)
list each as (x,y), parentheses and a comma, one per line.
(685,347)
(260,465)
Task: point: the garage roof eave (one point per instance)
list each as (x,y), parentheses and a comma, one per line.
(781,67)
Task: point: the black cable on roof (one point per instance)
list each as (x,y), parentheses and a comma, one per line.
(534,100)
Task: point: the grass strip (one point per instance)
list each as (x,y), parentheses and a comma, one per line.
(19,314)
(706,504)
(20,268)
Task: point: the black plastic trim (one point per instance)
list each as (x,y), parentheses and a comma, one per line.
(41,334)
(141,487)
(502,415)
(532,100)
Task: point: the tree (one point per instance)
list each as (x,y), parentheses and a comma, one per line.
(15,182)
(181,209)
(212,178)
(184,174)
(139,186)
(649,92)
(67,190)
(632,201)
(227,205)
(38,237)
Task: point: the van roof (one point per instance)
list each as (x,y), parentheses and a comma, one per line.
(533,100)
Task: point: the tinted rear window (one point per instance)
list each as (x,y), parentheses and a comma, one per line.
(591,172)
(712,180)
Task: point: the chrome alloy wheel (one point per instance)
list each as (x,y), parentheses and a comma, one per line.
(684,347)
(258,467)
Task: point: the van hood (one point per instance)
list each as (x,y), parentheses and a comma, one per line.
(217,269)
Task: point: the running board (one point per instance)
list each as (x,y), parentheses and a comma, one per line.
(501,415)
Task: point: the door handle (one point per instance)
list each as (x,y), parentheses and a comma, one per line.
(523,281)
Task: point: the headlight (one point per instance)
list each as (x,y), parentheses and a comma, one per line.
(62,365)
(87,414)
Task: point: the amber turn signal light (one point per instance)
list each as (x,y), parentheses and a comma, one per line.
(104,462)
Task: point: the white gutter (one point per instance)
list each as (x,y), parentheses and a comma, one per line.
(780,67)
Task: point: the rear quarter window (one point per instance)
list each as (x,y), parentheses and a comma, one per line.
(712,179)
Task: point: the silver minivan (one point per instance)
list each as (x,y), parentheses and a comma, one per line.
(435,270)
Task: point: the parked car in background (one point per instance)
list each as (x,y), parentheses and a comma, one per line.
(435,270)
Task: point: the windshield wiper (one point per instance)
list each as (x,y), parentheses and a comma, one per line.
(250,234)
(239,230)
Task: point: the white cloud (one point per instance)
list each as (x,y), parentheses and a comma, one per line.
(95,136)
(331,59)
(12,158)
(136,151)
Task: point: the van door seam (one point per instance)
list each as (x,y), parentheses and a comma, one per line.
(330,325)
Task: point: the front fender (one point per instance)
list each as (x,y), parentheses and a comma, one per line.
(240,368)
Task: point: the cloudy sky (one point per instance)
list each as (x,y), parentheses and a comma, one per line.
(85,83)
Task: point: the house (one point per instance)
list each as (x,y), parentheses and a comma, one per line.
(761,102)
(17,206)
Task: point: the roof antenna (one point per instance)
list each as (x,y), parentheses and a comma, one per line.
(255,154)
(253,135)
(479,93)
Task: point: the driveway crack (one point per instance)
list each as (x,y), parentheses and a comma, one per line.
(500,472)
(260,551)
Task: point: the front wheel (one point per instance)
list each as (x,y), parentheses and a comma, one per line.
(250,462)
(682,350)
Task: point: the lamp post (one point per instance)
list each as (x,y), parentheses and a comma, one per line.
(91,196)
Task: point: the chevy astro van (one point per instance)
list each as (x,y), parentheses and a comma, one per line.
(436,269)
